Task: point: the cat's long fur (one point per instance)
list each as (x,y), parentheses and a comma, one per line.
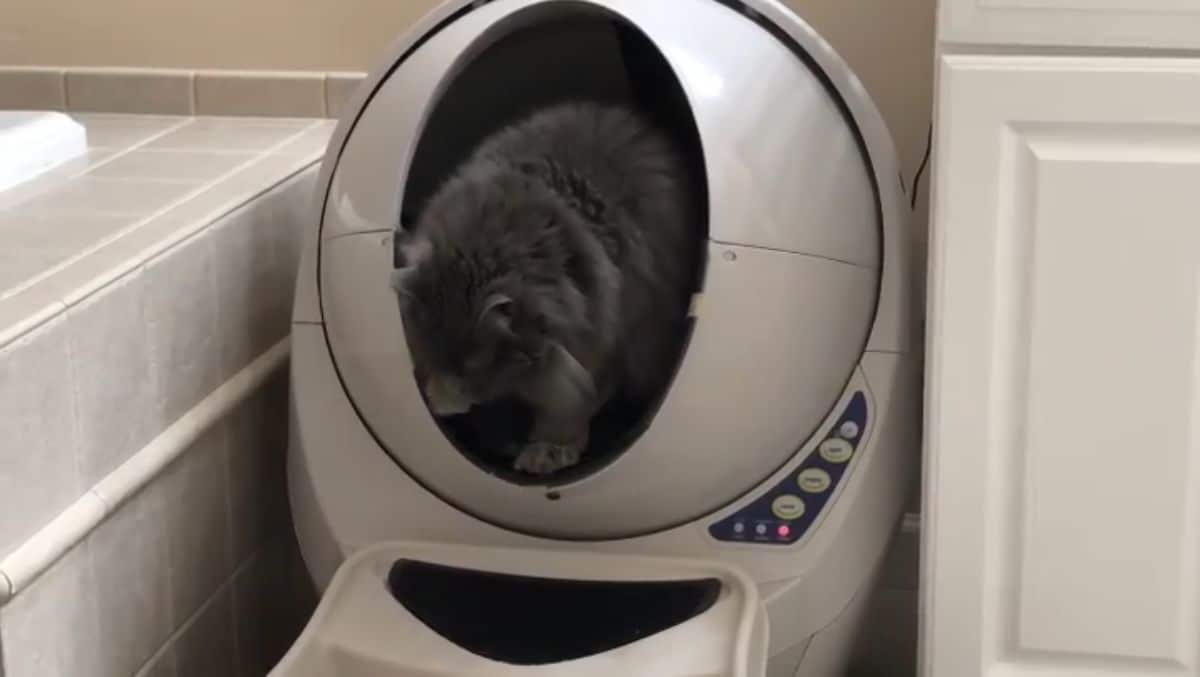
(556,264)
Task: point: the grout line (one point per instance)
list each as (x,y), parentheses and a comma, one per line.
(33,557)
(14,331)
(54,307)
(325,95)
(183,122)
(193,76)
(73,298)
(186,625)
(72,177)
(194,92)
(62,88)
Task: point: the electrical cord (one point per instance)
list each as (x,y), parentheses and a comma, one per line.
(921,170)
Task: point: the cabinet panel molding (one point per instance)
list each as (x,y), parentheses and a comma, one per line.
(1063,406)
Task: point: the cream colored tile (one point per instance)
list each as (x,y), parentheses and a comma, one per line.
(339,88)
(182,324)
(128,553)
(278,94)
(53,627)
(18,268)
(182,221)
(162,664)
(144,239)
(254,589)
(130,91)
(195,500)
(171,165)
(52,178)
(272,170)
(136,198)
(206,646)
(255,249)
(122,132)
(57,237)
(140,243)
(214,203)
(200,211)
(38,475)
(257,467)
(118,405)
(309,144)
(230,134)
(85,276)
(32,89)
(273,601)
(26,310)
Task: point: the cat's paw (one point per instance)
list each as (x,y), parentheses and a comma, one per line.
(544,458)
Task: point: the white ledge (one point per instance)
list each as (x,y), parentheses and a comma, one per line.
(23,566)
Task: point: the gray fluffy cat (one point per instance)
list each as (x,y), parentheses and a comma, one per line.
(556,265)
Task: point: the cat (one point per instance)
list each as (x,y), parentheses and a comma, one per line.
(556,265)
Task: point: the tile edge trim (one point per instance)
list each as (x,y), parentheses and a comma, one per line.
(24,565)
(318,79)
(30,322)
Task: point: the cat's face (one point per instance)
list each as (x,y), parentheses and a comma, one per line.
(465,335)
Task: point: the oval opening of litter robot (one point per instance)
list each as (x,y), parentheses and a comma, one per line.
(553,53)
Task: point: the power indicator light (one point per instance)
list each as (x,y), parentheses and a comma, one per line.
(784,531)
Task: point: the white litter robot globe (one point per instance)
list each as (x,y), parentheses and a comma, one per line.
(785,445)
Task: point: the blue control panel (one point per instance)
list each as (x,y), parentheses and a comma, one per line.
(783,514)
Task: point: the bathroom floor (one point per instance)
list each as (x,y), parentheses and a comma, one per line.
(142,180)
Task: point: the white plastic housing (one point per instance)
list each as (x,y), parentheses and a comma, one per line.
(789,296)
(356,628)
(347,493)
(733,404)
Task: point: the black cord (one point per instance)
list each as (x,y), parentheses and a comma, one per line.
(921,170)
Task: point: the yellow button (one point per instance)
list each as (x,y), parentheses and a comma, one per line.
(813,480)
(788,507)
(836,450)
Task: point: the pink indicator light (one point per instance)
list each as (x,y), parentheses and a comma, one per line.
(784,530)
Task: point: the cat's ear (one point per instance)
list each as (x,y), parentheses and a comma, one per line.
(410,250)
(496,313)
(399,280)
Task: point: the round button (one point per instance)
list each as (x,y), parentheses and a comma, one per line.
(788,507)
(836,450)
(738,527)
(760,529)
(848,430)
(813,480)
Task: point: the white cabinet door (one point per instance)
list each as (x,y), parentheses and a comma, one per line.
(1094,23)
(1063,421)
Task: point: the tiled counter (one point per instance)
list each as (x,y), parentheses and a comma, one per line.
(133,282)
(145,183)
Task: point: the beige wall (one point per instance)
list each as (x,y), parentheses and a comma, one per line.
(888,42)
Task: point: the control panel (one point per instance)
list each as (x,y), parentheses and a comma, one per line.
(782,514)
